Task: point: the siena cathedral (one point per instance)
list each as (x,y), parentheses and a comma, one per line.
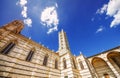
(20,57)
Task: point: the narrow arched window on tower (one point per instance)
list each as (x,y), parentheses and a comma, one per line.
(45,60)
(30,55)
(64,63)
(74,64)
(81,65)
(56,64)
(7,49)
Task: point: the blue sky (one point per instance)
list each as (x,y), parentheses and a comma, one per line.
(92,26)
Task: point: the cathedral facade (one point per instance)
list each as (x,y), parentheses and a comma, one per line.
(20,57)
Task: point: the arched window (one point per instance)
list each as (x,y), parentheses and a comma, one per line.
(106,75)
(56,64)
(74,64)
(7,49)
(81,65)
(64,63)
(45,60)
(30,55)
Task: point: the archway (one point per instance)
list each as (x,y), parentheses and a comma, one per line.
(101,68)
(114,58)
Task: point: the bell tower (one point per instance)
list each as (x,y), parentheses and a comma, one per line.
(63,43)
(67,61)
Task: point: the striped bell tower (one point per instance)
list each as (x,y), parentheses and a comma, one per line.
(63,43)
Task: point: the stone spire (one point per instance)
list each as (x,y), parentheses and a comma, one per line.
(63,42)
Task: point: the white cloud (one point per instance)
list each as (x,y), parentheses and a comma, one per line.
(28,22)
(22,2)
(103,9)
(112,9)
(49,18)
(52,29)
(24,14)
(116,20)
(100,29)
